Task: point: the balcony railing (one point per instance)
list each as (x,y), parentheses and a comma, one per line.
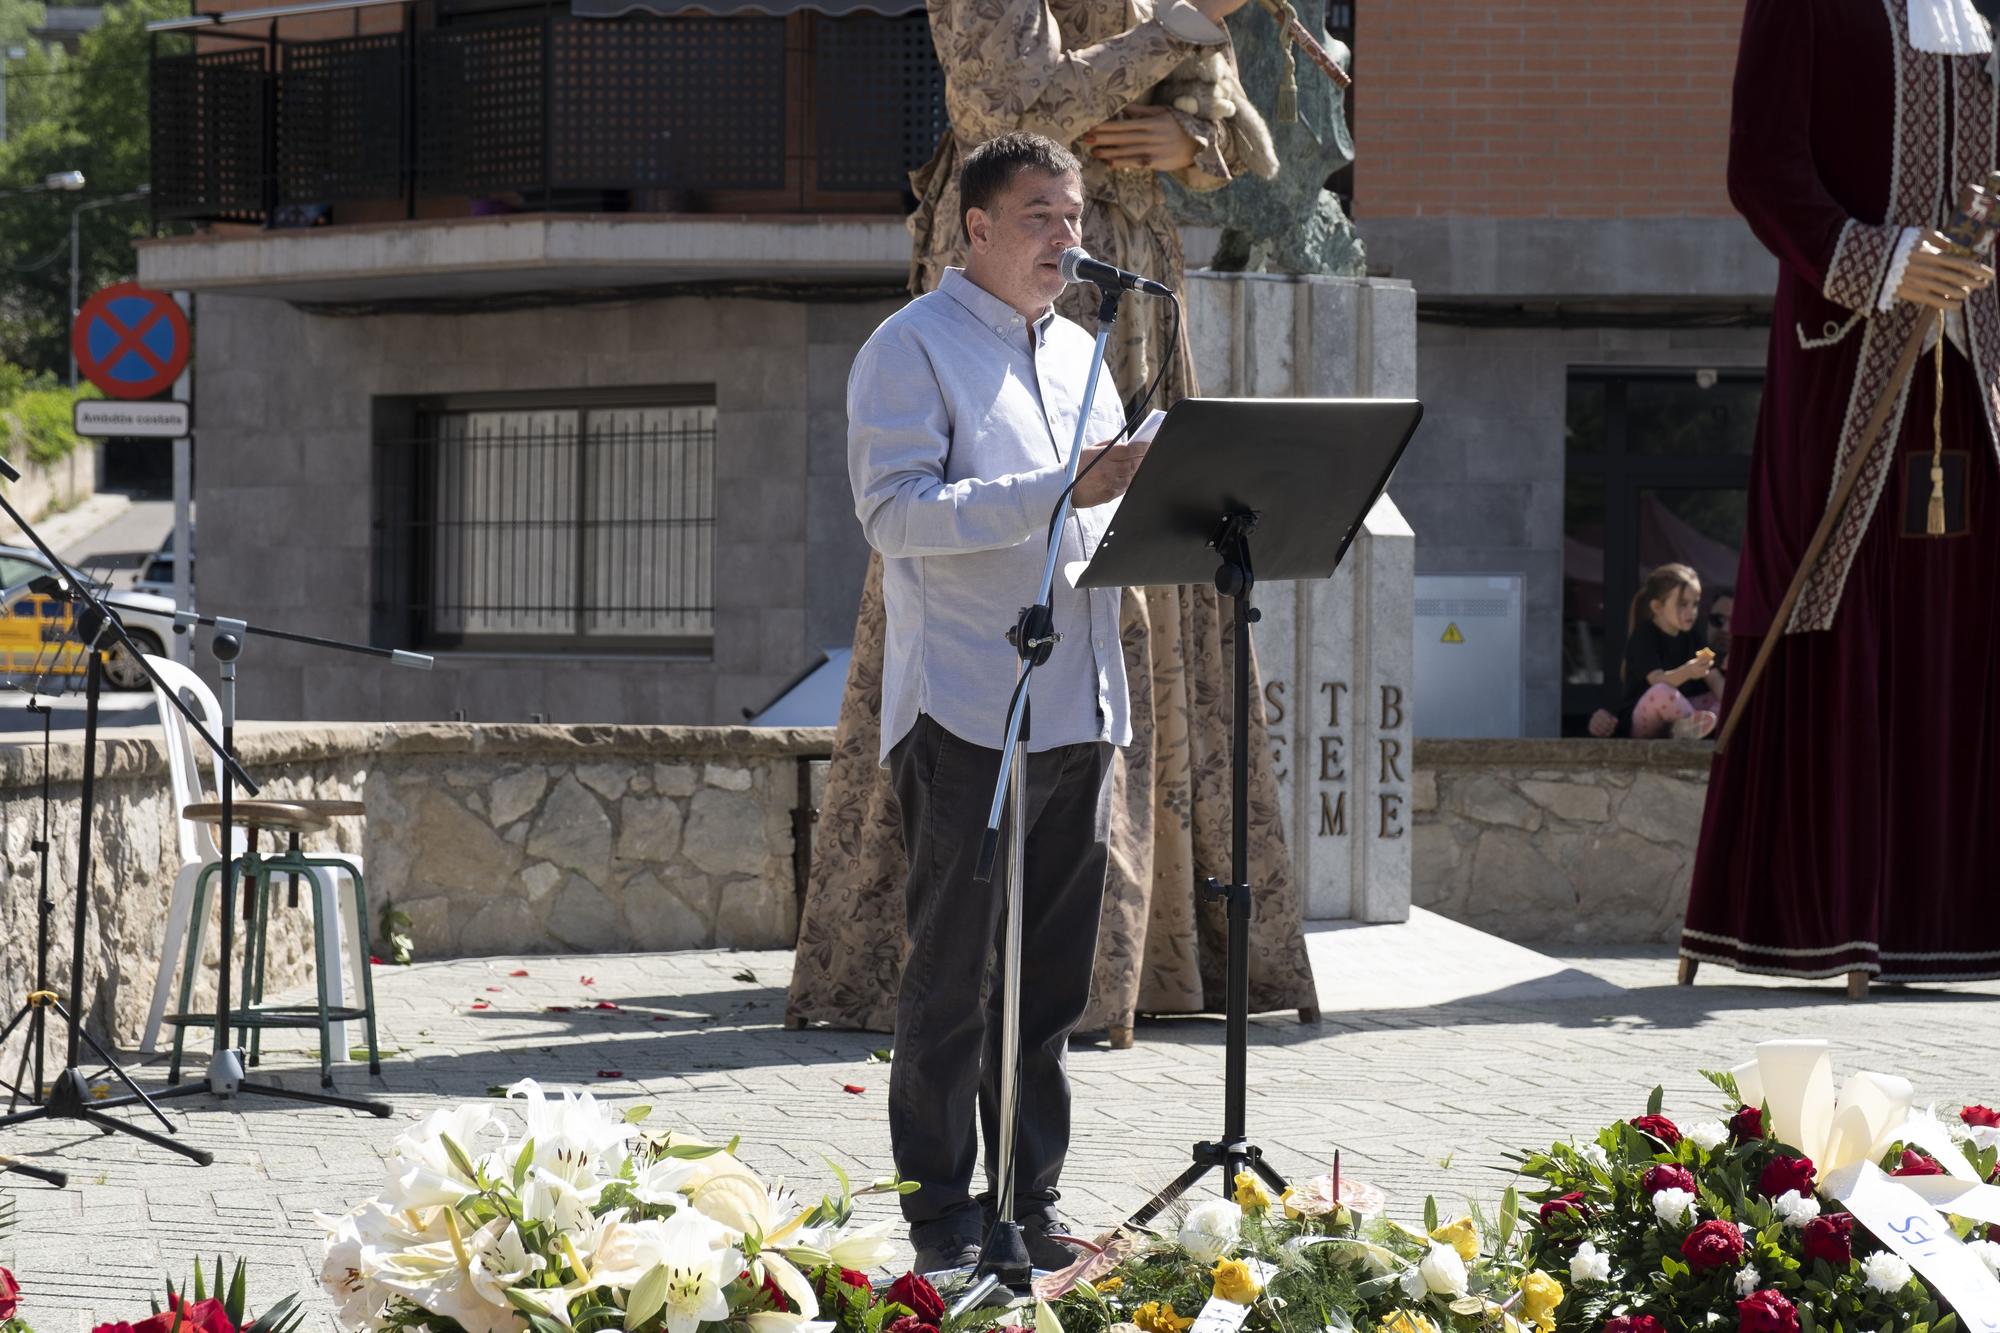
(806,113)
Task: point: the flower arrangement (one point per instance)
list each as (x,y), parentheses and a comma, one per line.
(186,1311)
(591,1221)
(1660,1229)
(1318,1258)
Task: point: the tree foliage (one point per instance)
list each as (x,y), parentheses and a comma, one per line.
(84,112)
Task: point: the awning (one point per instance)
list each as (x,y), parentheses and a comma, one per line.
(611,9)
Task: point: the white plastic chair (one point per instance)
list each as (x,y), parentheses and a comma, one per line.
(198,848)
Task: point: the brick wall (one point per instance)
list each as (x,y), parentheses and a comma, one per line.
(1562,108)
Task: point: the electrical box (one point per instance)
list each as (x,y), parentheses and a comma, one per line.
(1468,630)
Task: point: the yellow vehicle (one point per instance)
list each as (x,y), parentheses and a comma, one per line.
(37,632)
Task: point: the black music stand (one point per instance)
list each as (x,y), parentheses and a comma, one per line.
(1301,474)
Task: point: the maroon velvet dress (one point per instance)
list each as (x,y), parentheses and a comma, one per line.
(1854,823)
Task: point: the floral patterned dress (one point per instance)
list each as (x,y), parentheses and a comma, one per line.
(1061,67)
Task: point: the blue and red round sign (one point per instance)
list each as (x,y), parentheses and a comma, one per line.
(130,342)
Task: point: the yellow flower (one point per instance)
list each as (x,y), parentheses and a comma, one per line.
(1111,1284)
(1251,1196)
(1285,1200)
(1154,1317)
(1405,1321)
(1235,1283)
(1461,1235)
(1540,1295)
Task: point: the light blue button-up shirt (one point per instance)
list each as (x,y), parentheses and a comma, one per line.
(960,419)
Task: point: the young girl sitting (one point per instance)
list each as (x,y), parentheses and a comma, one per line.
(1671,684)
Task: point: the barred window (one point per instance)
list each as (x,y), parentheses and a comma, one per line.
(549,527)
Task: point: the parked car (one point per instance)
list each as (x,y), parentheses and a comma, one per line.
(32,624)
(158,575)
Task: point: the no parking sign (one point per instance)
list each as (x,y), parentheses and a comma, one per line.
(129,341)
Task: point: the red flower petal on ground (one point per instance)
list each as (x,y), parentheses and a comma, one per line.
(852,1087)
(1830,1236)
(1766,1311)
(481,1004)
(498,988)
(1786,1173)
(1917,1164)
(611,1073)
(518,972)
(558,1009)
(373,959)
(1659,1127)
(588,981)
(1712,1245)
(1981,1116)
(604,1004)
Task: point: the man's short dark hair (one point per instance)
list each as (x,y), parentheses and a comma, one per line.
(990,168)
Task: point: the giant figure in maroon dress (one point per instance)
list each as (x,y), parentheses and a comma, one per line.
(1853,826)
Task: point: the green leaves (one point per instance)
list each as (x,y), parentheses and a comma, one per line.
(395,927)
(1510,1214)
(1725,1081)
(1657,1100)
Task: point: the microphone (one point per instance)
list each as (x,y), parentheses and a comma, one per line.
(1077,266)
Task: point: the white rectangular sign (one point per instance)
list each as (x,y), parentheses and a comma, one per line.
(148,419)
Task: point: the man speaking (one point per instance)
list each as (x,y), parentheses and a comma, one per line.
(961,410)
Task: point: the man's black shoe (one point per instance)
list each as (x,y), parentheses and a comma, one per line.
(946,1255)
(1040,1230)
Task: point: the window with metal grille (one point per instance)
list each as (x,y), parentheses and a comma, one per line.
(522,526)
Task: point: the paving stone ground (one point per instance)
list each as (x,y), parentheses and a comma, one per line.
(1440,1051)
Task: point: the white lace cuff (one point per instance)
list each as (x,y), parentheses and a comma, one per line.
(1899,262)
(1189,24)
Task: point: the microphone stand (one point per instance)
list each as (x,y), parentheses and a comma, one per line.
(68,1097)
(1003,1258)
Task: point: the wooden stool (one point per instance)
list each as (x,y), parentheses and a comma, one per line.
(258,871)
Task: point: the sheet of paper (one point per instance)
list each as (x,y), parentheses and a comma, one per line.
(1150,427)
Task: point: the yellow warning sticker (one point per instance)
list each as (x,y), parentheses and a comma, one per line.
(1451,634)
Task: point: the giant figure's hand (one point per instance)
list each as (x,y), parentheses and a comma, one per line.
(1144,136)
(1939,279)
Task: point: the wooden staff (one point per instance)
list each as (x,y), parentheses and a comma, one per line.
(1975,221)
(1292,33)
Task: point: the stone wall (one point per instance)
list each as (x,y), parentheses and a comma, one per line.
(495,839)
(46,488)
(1556,843)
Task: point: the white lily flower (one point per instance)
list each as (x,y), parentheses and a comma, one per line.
(1673,1207)
(1594,1154)
(466,1278)
(1709,1135)
(421,1171)
(1987,1253)
(695,1250)
(1211,1230)
(1795,1209)
(860,1248)
(1885,1272)
(790,1281)
(1747,1278)
(740,1201)
(356,1245)
(1589,1264)
(575,1137)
